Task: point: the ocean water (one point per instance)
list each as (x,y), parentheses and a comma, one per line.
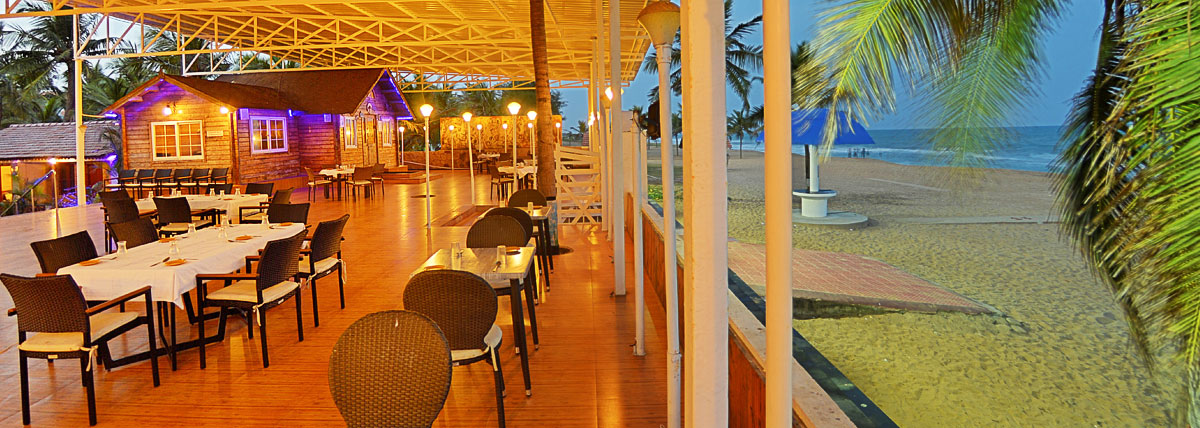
(1032,148)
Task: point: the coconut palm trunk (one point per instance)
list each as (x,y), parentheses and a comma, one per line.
(545,122)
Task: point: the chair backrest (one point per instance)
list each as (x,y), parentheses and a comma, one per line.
(50,304)
(506,156)
(523,197)
(283,213)
(145,174)
(136,232)
(182,173)
(218,188)
(282,196)
(53,254)
(489,232)
(120,209)
(312,176)
(126,174)
(219,174)
(200,173)
(114,194)
(461,303)
(278,262)
(173,210)
(390,369)
(162,174)
(492,169)
(260,188)
(327,239)
(517,214)
(362,174)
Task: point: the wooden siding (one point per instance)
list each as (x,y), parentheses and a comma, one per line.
(253,167)
(186,106)
(374,104)
(317,140)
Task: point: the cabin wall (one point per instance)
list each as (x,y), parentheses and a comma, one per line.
(216,137)
(372,121)
(317,140)
(254,167)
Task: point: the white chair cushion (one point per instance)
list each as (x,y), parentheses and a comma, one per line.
(245,291)
(492,340)
(102,324)
(361,182)
(322,266)
(175,227)
(318,182)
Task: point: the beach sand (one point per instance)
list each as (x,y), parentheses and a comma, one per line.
(1073,367)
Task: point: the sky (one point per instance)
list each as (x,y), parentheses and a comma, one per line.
(1069,57)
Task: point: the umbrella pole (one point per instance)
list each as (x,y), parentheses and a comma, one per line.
(807,166)
(814,183)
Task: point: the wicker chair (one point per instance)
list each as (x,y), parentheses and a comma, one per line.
(123,178)
(136,232)
(177,179)
(174,216)
(324,257)
(255,293)
(288,213)
(218,188)
(377,177)
(219,175)
(120,193)
(193,184)
(526,223)
(117,210)
(162,176)
(65,327)
(361,178)
(260,188)
(282,196)
(54,254)
(464,306)
(390,369)
(501,183)
(496,230)
(315,180)
(521,199)
(143,181)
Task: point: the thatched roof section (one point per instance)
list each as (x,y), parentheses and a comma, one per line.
(38,141)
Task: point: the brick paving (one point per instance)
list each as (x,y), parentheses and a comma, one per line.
(850,278)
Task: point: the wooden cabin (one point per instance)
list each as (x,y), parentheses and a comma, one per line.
(263,126)
(30,150)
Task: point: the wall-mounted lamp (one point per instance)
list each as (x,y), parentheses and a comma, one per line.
(224,110)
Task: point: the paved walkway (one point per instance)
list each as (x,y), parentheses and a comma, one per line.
(853,279)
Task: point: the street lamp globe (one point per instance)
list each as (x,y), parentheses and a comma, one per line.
(514,108)
(467,117)
(426,110)
(661,21)
(532,115)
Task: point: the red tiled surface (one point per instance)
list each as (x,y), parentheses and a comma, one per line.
(849,278)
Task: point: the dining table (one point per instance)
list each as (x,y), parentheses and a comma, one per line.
(339,176)
(511,271)
(228,203)
(214,250)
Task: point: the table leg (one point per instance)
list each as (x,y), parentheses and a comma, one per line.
(518,319)
(171,325)
(200,291)
(530,282)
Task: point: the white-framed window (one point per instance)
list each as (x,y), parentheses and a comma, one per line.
(385,132)
(268,135)
(349,137)
(177,140)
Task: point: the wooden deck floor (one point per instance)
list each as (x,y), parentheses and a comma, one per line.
(584,375)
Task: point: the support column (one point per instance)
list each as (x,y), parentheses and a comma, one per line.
(80,129)
(778,190)
(602,122)
(616,151)
(639,253)
(706,278)
(670,280)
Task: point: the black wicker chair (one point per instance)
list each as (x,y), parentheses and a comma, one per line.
(259,188)
(464,306)
(161,177)
(177,179)
(174,215)
(501,183)
(521,199)
(119,193)
(54,254)
(281,196)
(219,175)
(324,257)
(390,369)
(193,183)
(143,181)
(255,293)
(361,179)
(377,177)
(288,213)
(315,180)
(136,232)
(53,308)
(496,230)
(118,207)
(218,188)
(124,177)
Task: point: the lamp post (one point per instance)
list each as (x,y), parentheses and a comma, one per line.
(607,182)
(504,126)
(427,110)
(470,154)
(661,20)
(451,148)
(532,139)
(513,109)
(402,149)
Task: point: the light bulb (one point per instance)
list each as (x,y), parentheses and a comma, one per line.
(505,126)
(530,124)
(402,129)
(514,108)
(532,115)
(166,111)
(479,127)
(451,128)
(608,93)
(467,117)
(224,110)
(427,110)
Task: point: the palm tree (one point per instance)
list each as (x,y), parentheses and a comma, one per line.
(1127,183)
(742,59)
(744,123)
(42,49)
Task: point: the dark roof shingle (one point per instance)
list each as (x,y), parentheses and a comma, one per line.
(53,140)
(323,91)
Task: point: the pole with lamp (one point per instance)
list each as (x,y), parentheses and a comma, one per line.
(504,126)
(607,182)
(513,109)
(451,148)
(533,140)
(470,155)
(427,110)
(661,21)
(54,183)
(402,147)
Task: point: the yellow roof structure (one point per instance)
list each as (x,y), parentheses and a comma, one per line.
(444,41)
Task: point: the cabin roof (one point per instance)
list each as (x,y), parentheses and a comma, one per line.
(31,141)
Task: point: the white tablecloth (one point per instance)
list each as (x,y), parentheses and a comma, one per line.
(336,172)
(229,203)
(523,170)
(205,253)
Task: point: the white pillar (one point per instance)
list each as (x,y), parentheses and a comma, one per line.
(706,277)
(428,196)
(471,163)
(777,104)
(618,127)
(669,277)
(80,159)
(639,265)
(814,161)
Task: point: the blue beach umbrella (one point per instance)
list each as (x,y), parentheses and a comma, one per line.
(807,128)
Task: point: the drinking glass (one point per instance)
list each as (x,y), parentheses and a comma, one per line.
(222,193)
(150,194)
(211,191)
(266,221)
(456,249)
(173,250)
(122,248)
(529,206)
(191,229)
